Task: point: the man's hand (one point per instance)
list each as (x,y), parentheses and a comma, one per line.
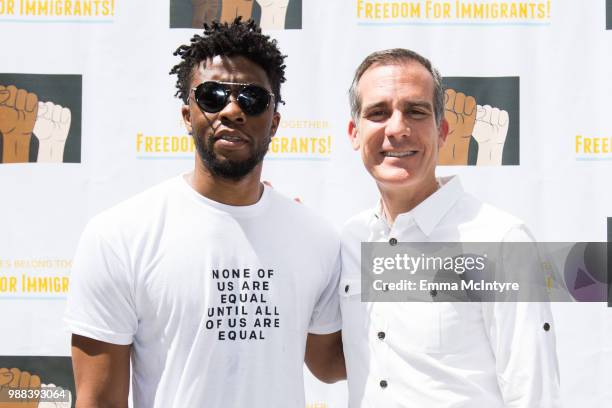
(230,9)
(267,183)
(204,11)
(15,379)
(490,132)
(51,129)
(18,109)
(325,358)
(460,113)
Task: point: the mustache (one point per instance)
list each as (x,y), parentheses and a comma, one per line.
(214,137)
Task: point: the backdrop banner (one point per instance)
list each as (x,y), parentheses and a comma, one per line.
(100,123)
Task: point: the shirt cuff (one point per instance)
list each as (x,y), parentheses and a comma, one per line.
(326,328)
(106,336)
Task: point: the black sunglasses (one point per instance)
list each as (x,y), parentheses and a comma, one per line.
(213,96)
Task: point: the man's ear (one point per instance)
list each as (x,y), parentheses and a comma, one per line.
(186,114)
(353,135)
(442,132)
(276,118)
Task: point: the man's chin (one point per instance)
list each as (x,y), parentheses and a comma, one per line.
(396,176)
(231,169)
(233,155)
(232,165)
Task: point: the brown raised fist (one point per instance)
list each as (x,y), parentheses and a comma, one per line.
(230,9)
(204,11)
(460,113)
(18,110)
(15,379)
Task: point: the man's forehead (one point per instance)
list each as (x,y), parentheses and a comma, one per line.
(389,79)
(233,69)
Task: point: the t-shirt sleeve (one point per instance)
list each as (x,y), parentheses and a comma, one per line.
(326,316)
(100,299)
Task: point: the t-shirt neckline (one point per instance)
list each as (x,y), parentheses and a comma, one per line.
(238,211)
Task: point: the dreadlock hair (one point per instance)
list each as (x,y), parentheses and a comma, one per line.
(236,39)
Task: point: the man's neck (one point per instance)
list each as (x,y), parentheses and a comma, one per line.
(245,191)
(397,200)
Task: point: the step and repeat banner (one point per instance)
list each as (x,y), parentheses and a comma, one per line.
(88,119)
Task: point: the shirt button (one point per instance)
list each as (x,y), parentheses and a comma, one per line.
(546,327)
(346,289)
(381,335)
(383,384)
(393,241)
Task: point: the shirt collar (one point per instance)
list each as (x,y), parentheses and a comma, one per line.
(428,214)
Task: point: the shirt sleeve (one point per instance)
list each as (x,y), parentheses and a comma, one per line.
(326,316)
(100,298)
(522,337)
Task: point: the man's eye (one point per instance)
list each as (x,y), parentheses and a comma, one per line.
(376,114)
(417,114)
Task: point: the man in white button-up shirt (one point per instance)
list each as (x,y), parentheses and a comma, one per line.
(441,354)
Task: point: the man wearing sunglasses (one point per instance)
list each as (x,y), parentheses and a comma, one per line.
(217,287)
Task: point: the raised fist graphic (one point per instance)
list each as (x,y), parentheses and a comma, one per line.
(18,109)
(230,9)
(204,11)
(273,14)
(490,132)
(51,129)
(460,113)
(16,379)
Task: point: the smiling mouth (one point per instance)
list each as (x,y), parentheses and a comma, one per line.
(400,154)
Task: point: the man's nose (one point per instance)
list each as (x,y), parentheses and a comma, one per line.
(397,125)
(232,112)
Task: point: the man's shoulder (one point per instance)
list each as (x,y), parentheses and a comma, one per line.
(357,225)
(499,216)
(135,211)
(300,216)
(472,213)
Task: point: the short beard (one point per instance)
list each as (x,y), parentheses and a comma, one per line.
(228,169)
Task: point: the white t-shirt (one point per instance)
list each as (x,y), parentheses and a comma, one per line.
(217,300)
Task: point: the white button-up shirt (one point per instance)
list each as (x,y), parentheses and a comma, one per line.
(442,354)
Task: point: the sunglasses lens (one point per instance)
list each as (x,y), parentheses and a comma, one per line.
(211,96)
(253,99)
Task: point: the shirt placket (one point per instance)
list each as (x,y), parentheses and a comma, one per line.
(378,340)
(380,334)
(378,327)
